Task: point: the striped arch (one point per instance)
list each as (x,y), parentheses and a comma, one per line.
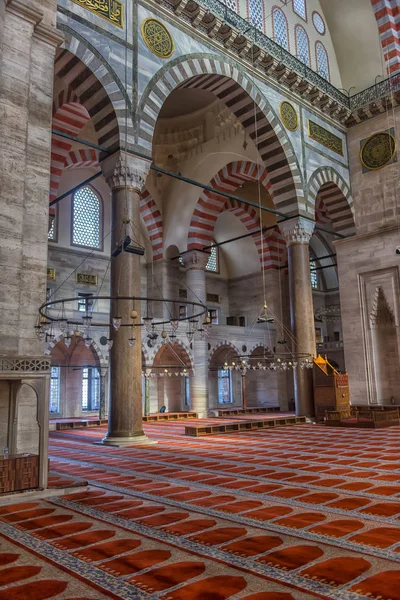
(264,350)
(332,199)
(94,345)
(226,81)
(153,221)
(270,246)
(219,346)
(181,351)
(89,87)
(387,17)
(82,159)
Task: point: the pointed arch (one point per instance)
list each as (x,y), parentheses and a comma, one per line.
(82,159)
(153,220)
(330,195)
(270,246)
(230,85)
(231,351)
(86,95)
(175,351)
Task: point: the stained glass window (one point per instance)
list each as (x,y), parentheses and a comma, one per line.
(224,386)
(322,60)
(86,219)
(318,23)
(299,7)
(90,388)
(213,262)
(302,45)
(281,34)
(313,275)
(55,390)
(256,13)
(187,391)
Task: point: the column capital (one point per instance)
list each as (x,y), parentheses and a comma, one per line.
(196,260)
(297,230)
(124,170)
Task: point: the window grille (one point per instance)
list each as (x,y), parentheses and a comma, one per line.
(86,219)
(281,34)
(90,388)
(55,390)
(232,4)
(52,231)
(299,7)
(85,302)
(313,275)
(213,316)
(213,261)
(187,391)
(256,13)
(224,386)
(302,45)
(322,60)
(318,23)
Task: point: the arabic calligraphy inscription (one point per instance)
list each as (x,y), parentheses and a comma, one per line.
(111,10)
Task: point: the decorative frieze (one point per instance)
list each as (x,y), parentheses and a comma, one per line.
(111,10)
(24,365)
(325,137)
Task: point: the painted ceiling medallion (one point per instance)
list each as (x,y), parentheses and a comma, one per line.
(157,38)
(378,151)
(289,116)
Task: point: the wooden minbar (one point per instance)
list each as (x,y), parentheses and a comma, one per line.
(19,472)
(331,389)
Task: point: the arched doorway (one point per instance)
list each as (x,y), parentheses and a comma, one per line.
(169,382)
(75,380)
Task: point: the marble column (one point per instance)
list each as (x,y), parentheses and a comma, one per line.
(195,263)
(297,233)
(126,177)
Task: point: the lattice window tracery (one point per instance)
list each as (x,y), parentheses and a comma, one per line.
(302,45)
(322,60)
(55,390)
(313,275)
(256,13)
(281,33)
(232,4)
(213,261)
(299,7)
(86,219)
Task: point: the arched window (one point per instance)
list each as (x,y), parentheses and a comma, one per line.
(86,219)
(299,7)
(313,275)
(213,261)
(302,45)
(224,386)
(322,60)
(281,33)
(256,13)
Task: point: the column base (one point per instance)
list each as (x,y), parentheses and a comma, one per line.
(138,440)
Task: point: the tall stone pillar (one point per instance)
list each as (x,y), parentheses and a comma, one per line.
(126,177)
(195,263)
(297,233)
(102,410)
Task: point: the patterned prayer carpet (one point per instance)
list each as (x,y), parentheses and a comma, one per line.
(279,514)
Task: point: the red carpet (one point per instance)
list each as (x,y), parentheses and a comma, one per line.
(285,514)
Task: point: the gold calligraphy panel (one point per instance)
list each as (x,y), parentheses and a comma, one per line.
(86,279)
(157,38)
(378,151)
(326,138)
(289,116)
(51,274)
(111,10)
